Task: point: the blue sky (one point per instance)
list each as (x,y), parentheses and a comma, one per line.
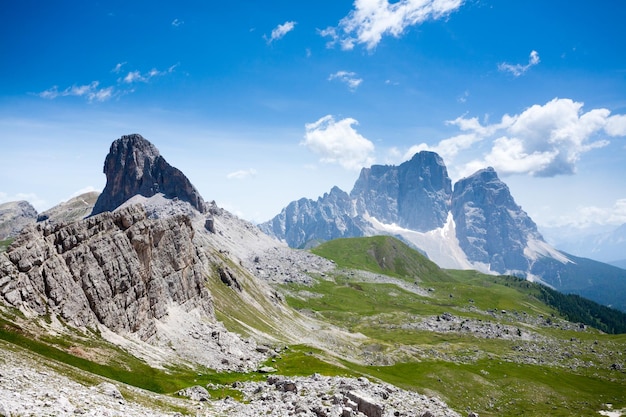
(262,103)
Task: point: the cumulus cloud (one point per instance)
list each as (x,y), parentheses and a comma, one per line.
(543,141)
(519,69)
(338,142)
(372,19)
(347,77)
(280,31)
(91,92)
(242,174)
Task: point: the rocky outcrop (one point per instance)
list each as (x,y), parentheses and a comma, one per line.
(119,269)
(491,228)
(14,216)
(135,167)
(304,222)
(414,195)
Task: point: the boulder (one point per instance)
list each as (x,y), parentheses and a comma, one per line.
(195,393)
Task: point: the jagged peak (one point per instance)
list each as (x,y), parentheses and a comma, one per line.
(134,166)
(426,156)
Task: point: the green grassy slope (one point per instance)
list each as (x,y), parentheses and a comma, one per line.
(557,368)
(528,360)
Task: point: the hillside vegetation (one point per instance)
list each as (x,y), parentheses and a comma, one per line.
(494,344)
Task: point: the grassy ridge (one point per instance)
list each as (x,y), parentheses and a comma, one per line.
(387,255)
(380,254)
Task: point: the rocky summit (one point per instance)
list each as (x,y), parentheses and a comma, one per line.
(490,226)
(414,195)
(135,167)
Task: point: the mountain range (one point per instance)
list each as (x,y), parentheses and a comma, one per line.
(474,225)
(113,299)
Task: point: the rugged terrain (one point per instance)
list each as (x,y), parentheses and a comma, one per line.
(164,305)
(474,225)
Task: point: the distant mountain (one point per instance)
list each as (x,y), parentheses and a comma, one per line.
(477,225)
(414,195)
(305,221)
(491,228)
(69,211)
(14,216)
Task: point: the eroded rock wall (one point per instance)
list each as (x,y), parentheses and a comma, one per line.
(120,269)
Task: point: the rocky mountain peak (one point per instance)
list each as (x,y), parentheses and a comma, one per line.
(415,194)
(490,226)
(134,166)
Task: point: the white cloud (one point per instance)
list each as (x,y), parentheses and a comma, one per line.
(133,76)
(463,97)
(590,216)
(242,174)
(544,140)
(616,125)
(118,68)
(447,148)
(89,91)
(347,77)
(137,76)
(519,69)
(371,19)
(280,31)
(177,22)
(338,142)
(93,91)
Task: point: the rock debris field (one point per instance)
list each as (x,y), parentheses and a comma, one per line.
(30,387)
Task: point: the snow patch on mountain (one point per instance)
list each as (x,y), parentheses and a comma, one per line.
(440,244)
(536,249)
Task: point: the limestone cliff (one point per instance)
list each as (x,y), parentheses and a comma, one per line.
(119,269)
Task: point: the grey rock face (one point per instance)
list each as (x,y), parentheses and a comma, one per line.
(490,226)
(14,216)
(120,269)
(415,195)
(305,221)
(134,166)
